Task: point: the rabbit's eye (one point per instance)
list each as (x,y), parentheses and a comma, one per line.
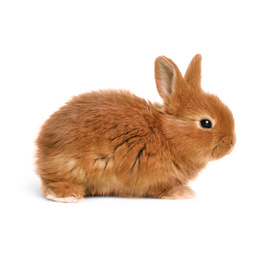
(205,123)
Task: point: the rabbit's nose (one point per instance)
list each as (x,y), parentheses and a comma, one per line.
(232,142)
(234,139)
(231,147)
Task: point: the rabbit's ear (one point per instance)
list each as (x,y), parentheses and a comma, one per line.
(168,78)
(193,73)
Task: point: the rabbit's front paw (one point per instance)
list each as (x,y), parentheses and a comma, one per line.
(71,199)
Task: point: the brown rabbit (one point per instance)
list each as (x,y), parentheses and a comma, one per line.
(113,143)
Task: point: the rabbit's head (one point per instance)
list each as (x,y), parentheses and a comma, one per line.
(200,126)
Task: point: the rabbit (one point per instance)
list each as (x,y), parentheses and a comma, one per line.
(113,143)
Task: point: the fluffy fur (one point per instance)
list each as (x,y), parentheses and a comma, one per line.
(113,143)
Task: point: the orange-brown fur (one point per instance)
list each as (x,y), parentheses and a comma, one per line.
(115,143)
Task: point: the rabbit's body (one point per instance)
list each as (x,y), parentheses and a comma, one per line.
(111,143)
(115,143)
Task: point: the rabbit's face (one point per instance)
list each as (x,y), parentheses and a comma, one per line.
(223,128)
(206,123)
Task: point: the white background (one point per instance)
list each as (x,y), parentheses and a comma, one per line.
(52,50)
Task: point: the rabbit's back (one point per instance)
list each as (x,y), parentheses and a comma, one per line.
(97,117)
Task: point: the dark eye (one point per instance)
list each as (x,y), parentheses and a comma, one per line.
(205,123)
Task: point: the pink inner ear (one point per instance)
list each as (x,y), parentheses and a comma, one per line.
(167,81)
